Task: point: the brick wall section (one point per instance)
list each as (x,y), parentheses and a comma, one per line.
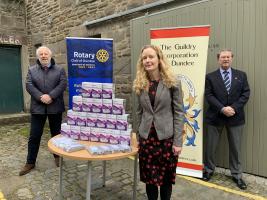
(12,18)
(50,21)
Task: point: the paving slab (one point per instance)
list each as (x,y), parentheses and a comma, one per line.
(43,182)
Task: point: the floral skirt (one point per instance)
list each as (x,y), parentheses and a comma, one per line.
(157,162)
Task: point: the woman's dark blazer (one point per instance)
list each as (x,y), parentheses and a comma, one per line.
(167,114)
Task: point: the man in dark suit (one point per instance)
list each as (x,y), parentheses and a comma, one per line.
(226,91)
(46,83)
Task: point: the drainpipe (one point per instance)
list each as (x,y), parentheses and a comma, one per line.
(127,12)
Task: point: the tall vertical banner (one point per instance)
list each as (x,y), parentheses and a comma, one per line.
(186,49)
(89,60)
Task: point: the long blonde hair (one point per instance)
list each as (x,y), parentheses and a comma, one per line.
(166,74)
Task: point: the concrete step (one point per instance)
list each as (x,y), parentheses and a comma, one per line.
(16,118)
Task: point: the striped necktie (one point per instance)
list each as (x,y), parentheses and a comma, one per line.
(226,80)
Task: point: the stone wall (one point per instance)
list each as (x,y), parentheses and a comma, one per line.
(13,33)
(12,22)
(50,21)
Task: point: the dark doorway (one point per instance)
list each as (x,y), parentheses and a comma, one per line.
(11,95)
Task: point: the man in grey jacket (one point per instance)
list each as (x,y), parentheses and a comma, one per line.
(46,83)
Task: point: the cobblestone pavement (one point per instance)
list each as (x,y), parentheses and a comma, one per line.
(42,183)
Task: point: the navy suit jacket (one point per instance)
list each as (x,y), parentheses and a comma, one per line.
(217,98)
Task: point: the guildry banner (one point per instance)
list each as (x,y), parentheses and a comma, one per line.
(89,60)
(186,50)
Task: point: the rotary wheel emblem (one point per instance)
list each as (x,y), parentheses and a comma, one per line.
(102,55)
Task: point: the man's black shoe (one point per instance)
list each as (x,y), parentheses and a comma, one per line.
(240,183)
(207,176)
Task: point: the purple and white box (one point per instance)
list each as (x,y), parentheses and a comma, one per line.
(85,133)
(127,132)
(118,106)
(101,120)
(122,122)
(91,119)
(86,89)
(65,130)
(113,139)
(103,135)
(107,90)
(75,132)
(125,137)
(111,121)
(97,105)
(96,90)
(87,104)
(71,117)
(94,135)
(81,119)
(107,106)
(77,103)
(114,136)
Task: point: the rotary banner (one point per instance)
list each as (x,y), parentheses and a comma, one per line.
(186,50)
(89,60)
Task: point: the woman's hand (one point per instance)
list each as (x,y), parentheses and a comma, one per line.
(176,150)
(134,140)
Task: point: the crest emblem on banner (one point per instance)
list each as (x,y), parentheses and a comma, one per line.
(190,120)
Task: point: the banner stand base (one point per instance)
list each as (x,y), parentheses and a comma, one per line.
(189,172)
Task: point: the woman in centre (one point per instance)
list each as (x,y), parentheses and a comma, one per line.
(159,121)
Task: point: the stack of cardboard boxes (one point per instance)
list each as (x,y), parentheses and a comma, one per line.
(97,116)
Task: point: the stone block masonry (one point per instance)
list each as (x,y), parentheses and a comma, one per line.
(49,22)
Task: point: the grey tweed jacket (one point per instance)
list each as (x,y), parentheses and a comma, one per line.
(167,114)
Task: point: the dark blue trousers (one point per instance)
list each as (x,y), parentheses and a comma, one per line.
(36,132)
